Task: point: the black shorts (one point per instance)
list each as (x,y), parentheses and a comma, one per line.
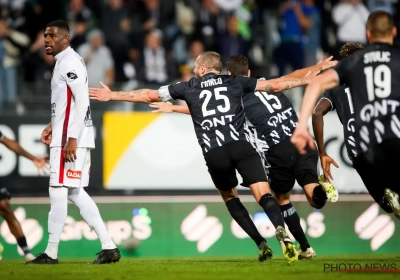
(378,168)
(288,165)
(4,194)
(222,163)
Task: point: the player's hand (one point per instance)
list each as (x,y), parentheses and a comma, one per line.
(100,94)
(41,163)
(326,162)
(70,150)
(165,107)
(326,63)
(46,135)
(301,138)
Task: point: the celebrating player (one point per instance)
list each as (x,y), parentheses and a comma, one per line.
(274,120)
(338,99)
(71,137)
(214,102)
(5,209)
(373,77)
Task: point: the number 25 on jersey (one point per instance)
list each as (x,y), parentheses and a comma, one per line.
(218,96)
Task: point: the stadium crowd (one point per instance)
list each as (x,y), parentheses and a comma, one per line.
(147,43)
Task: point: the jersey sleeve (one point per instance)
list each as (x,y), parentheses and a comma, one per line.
(75,75)
(343,70)
(174,91)
(248,84)
(328,96)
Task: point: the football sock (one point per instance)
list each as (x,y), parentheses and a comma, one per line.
(91,215)
(292,220)
(271,208)
(57,217)
(241,216)
(319,197)
(23,244)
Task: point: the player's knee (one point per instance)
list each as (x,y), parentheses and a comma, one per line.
(282,198)
(228,195)
(319,197)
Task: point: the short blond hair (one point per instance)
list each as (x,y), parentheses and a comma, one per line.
(211,60)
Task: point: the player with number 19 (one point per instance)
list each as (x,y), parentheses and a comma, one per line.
(373,76)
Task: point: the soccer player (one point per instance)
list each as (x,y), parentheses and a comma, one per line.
(274,120)
(373,77)
(5,209)
(214,102)
(71,137)
(338,99)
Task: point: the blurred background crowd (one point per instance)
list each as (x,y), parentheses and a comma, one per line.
(129,44)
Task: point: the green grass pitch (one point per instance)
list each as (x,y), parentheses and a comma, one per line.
(207,268)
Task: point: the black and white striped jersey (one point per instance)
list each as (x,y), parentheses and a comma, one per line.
(373,76)
(272,115)
(340,99)
(215,104)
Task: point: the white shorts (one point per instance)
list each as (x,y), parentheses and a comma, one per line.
(69,174)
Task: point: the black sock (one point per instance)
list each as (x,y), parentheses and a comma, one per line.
(292,220)
(271,208)
(319,197)
(23,245)
(242,217)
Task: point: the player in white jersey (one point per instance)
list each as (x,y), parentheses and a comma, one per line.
(71,137)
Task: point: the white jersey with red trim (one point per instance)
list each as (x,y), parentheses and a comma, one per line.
(70,106)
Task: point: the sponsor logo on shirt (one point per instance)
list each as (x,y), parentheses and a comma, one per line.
(73,174)
(72,76)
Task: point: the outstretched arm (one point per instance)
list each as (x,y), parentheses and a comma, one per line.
(281,84)
(168,107)
(136,96)
(301,137)
(314,70)
(14,146)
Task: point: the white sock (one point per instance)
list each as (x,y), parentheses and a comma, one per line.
(91,215)
(57,217)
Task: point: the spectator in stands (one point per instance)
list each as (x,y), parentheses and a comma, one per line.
(350,17)
(291,50)
(210,24)
(12,44)
(232,43)
(270,11)
(156,14)
(80,32)
(77,13)
(196,48)
(98,59)
(313,33)
(116,25)
(154,60)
